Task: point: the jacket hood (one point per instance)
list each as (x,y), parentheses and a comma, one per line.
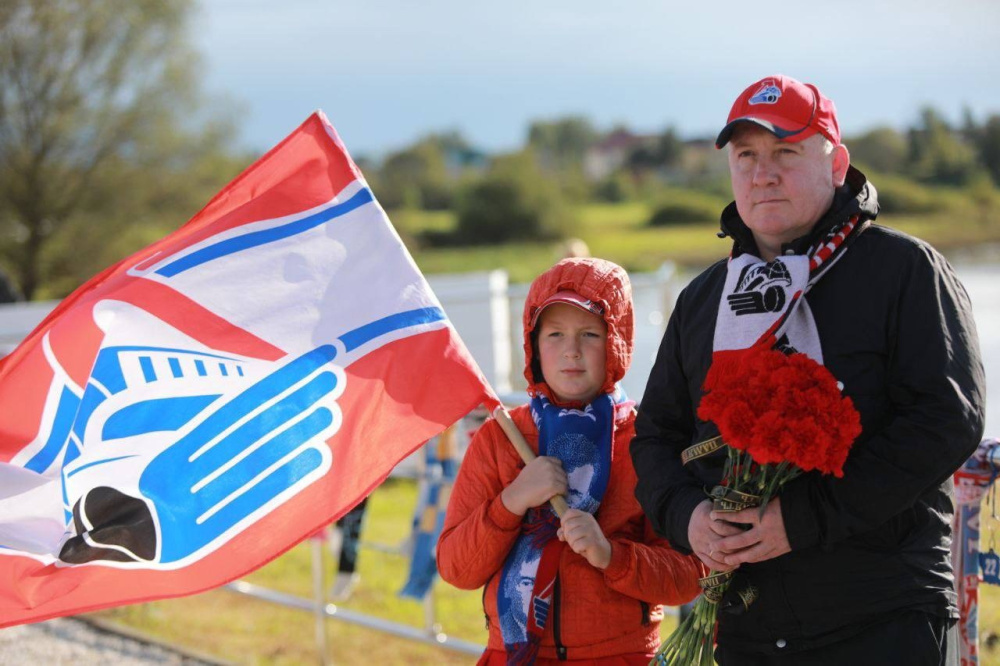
(602,282)
(855,196)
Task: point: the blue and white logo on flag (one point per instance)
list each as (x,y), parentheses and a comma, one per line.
(173,446)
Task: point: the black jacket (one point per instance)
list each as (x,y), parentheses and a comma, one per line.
(896,329)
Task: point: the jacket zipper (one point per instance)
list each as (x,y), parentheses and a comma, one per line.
(560,648)
(485,614)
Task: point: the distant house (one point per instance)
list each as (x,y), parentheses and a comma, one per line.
(609,154)
(698,158)
(701,160)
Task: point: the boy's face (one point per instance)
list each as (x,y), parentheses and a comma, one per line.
(572,350)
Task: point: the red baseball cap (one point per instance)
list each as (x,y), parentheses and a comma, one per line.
(568,297)
(789,109)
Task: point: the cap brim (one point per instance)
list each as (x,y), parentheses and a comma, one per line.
(768,123)
(566,298)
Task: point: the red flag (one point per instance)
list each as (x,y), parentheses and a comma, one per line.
(196,410)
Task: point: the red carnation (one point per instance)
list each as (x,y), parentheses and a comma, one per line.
(781,408)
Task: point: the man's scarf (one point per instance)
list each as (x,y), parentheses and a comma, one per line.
(582,439)
(763,303)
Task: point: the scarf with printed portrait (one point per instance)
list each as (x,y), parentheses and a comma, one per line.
(582,440)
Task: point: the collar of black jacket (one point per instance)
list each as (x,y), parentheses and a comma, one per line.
(855,196)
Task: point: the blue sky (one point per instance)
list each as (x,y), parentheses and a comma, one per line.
(388,71)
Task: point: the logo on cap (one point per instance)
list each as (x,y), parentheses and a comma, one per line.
(768,94)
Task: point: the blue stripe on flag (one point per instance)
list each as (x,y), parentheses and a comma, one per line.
(200,367)
(146,364)
(160,415)
(93,397)
(108,372)
(359,336)
(255,238)
(66,410)
(175,367)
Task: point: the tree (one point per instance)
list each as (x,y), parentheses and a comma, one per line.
(562,143)
(985,139)
(883,149)
(417,177)
(989,146)
(663,152)
(938,154)
(512,202)
(98,102)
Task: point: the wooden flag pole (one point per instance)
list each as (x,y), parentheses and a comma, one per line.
(558,502)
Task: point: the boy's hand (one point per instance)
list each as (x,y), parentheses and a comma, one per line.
(582,533)
(540,480)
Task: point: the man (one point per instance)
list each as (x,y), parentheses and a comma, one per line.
(851,570)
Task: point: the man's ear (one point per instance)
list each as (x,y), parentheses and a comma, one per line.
(841,161)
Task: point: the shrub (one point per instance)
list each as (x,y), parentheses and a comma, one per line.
(685,207)
(897,195)
(513,202)
(616,188)
(499,210)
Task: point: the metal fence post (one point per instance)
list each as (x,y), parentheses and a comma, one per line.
(319,599)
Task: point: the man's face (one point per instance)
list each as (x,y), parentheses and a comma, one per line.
(781,188)
(579,479)
(526,581)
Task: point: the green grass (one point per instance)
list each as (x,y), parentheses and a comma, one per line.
(522,261)
(989,599)
(619,232)
(242,630)
(989,624)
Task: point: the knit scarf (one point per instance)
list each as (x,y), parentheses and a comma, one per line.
(763,302)
(582,439)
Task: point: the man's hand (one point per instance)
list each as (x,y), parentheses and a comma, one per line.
(581,532)
(707,533)
(765,540)
(539,481)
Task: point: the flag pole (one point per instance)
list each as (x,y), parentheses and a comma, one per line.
(319,599)
(502,417)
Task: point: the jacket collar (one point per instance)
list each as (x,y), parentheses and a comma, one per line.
(855,196)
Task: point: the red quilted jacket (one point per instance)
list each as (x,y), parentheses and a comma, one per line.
(595,613)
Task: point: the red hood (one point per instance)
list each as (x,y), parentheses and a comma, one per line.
(600,281)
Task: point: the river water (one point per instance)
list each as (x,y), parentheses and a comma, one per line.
(982,281)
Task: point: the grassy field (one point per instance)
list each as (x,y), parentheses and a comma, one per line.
(242,630)
(619,232)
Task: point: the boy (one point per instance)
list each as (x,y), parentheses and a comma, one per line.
(589,588)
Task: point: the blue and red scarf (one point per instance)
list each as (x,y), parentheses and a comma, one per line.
(582,439)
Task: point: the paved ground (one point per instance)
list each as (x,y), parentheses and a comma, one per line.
(66,641)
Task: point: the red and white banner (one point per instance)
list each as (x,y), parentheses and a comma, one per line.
(193,412)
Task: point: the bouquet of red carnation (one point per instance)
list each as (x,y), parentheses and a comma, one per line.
(779,415)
